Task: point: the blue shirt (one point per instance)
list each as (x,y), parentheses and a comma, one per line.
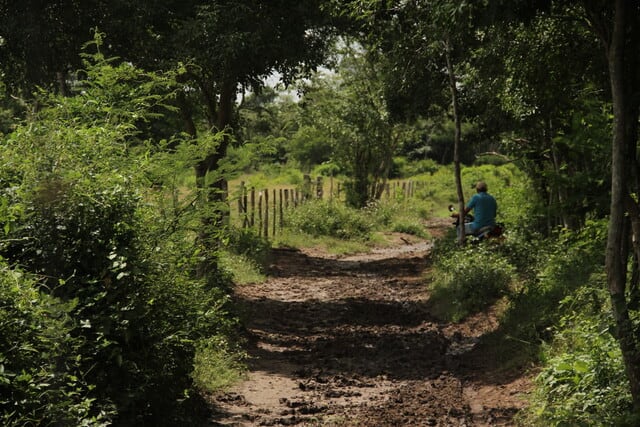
(484,210)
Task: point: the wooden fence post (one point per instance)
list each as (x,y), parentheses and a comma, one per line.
(319,189)
(306,187)
(275,216)
(281,207)
(245,205)
(253,207)
(266,213)
(260,213)
(241,211)
(331,188)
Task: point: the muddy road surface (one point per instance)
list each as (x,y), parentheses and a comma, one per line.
(351,341)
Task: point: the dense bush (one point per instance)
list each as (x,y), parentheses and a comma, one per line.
(41,377)
(322,218)
(583,380)
(398,216)
(469,279)
(120,255)
(140,309)
(247,242)
(403,168)
(551,269)
(327,169)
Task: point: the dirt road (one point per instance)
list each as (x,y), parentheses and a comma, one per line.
(352,342)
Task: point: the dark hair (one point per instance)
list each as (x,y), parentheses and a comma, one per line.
(481,187)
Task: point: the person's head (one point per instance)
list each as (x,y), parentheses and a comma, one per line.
(481,187)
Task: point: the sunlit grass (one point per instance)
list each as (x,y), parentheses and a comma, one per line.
(326,244)
(216,368)
(243,269)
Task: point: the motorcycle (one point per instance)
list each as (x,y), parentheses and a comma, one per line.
(487,232)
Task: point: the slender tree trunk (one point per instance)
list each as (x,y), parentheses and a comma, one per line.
(385,167)
(456,139)
(563,213)
(617,250)
(186,113)
(214,194)
(63,87)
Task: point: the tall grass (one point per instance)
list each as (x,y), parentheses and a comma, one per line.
(466,281)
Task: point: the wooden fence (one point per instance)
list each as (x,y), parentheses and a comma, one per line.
(265,209)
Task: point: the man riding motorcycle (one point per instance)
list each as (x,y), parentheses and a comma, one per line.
(484,207)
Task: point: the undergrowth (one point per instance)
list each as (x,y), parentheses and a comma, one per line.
(325,218)
(557,315)
(583,381)
(468,280)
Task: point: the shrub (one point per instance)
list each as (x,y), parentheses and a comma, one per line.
(246,256)
(41,375)
(583,381)
(77,211)
(491,159)
(383,213)
(469,279)
(327,169)
(556,267)
(217,365)
(141,310)
(409,227)
(247,242)
(402,168)
(397,216)
(322,218)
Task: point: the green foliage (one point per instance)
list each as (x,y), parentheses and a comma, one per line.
(553,268)
(217,366)
(273,175)
(79,210)
(403,168)
(240,268)
(409,227)
(563,301)
(327,169)
(247,242)
(350,112)
(583,381)
(141,311)
(322,218)
(490,159)
(309,146)
(470,279)
(290,238)
(41,377)
(398,215)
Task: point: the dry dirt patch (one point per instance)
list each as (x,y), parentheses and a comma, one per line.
(351,341)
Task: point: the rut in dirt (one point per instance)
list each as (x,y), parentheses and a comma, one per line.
(352,341)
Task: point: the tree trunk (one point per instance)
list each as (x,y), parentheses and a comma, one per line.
(456,140)
(625,123)
(63,87)
(214,194)
(186,113)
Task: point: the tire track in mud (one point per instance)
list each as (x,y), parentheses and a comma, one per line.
(351,341)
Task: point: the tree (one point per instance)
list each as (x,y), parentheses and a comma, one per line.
(221,46)
(425,44)
(618,26)
(544,91)
(350,109)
